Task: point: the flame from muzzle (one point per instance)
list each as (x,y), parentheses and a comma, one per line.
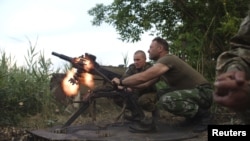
(85,79)
(68,88)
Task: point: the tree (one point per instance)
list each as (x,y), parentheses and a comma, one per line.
(198,30)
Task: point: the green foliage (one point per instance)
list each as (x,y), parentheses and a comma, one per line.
(24,91)
(198,30)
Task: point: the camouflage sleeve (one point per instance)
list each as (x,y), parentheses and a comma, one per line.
(129,71)
(236,59)
(148,65)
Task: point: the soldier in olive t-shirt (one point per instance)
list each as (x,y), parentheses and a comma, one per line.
(189,94)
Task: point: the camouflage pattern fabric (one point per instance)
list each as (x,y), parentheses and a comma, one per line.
(235,59)
(186,102)
(147,101)
(132,70)
(146,97)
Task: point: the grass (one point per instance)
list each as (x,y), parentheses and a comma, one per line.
(24,91)
(25,96)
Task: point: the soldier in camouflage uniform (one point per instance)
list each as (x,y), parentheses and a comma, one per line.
(232,85)
(145,97)
(190,95)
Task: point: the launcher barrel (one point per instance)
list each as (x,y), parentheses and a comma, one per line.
(62,56)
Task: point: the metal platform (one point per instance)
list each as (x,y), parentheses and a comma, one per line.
(114,132)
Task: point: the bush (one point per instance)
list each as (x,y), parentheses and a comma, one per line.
(24,91)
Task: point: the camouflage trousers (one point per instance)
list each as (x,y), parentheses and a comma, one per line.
(186,103)
(146,101)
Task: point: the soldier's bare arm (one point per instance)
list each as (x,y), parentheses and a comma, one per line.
(152,73)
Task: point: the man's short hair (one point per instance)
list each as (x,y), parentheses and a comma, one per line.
(142,52)
(162,42)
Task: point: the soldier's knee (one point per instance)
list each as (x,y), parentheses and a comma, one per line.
(146,104)
(143,101)
(165,99)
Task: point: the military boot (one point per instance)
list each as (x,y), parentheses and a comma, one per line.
(143,126)
(146,125)
(201,120)
(137,114)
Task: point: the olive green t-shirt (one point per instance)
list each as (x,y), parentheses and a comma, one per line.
(180,74)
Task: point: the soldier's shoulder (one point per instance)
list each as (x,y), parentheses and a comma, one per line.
(148,64)
(131,66)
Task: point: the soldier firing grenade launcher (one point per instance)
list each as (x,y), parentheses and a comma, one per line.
(79,64)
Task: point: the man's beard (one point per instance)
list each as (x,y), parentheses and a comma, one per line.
(154,58)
